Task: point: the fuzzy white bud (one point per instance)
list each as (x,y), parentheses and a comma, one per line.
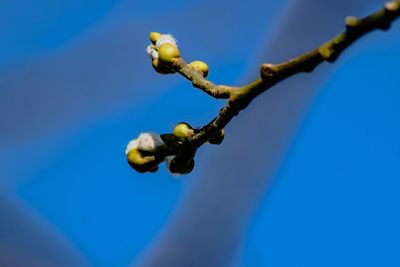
(146,142)
(131,145)
(149,142)
(152,52)
(166,39)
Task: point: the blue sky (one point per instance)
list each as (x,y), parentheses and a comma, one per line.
(307,176)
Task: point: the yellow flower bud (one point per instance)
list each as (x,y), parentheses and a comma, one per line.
(168,53)
(217,138)
(140,162)
(154,36)
(200,66)
(182,130)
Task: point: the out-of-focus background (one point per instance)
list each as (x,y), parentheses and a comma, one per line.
(308,175)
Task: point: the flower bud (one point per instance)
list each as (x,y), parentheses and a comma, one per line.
(217,138)
(167,53)
(178,167)
(141,162)
(145,152)
(165,39)
(183,130)
(152,52)
(200,66)
(150,142)
(154,36)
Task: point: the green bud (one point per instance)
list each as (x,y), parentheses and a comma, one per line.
(140,162)
(154,36)
(217,138)
(200,66)
(182,130)
(168,53)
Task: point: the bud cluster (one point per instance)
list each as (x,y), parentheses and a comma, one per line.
(163,50)
(146,152)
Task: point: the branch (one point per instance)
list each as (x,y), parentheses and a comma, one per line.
(182,145)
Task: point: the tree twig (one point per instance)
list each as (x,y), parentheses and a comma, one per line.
(271,74)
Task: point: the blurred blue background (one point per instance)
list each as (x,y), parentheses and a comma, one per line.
(308,175)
